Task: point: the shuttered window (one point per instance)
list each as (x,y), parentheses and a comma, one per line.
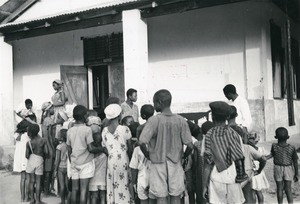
(107,48)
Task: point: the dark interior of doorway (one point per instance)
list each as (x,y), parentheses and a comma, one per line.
(100,88)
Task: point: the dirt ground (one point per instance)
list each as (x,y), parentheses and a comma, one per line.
(10,193)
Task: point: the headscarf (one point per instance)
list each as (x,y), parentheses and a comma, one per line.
(59,82)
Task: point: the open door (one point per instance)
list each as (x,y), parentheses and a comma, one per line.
(75,79)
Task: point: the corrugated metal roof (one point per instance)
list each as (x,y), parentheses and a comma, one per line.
(58,12)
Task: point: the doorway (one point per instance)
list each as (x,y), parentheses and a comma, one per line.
(100,87)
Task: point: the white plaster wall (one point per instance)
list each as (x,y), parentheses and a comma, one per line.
(37,61)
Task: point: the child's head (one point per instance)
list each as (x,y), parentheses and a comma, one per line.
(147,111)
(132,95)
(28,103)
(33,130)
(63,135)
(206,126)
(79,113)
(162,99)
(127,120)
(96,130)
(253,138)
(281,134)
(46,106)
(93,120)
(91,112)
(220,111)
(233,114)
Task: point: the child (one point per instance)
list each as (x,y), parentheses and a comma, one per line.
(24,112)
(242,131)
(46,125)
(165,134)
(259,181)
(116,138)
(36,150)
(140,170)
(61,164)
(221,179)
(80,152)
(127,120)
(285,164)
(147,111)
(97,186)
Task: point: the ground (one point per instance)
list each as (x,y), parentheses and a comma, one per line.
(10,193)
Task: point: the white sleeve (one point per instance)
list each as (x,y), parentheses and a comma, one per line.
(246,114)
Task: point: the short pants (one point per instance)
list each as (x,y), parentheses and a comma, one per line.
(83,171)
(98,182)
(285,173)
(35,165)
(166,179)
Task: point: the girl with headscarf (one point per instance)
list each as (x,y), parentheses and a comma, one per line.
(59,99)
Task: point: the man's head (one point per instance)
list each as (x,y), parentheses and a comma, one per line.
(282,134)
(79,113)
(28,103)
(132,95)
(33,130)
(220,111)
(162,99)
(147,111)
(230,92)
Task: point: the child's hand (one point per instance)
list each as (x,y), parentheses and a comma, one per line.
(296,178)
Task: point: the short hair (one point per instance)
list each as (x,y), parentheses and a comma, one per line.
(124,120)
(229,88)
(281,132)
(233,113)
(133,128)
(147,110)
(63,134)
(33,129)
(28,101)
(130,92)
(163,96)
(79,112)
(91,112)
(112,100)
(206,126)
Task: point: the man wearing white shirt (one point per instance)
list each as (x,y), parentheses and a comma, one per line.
(244,116)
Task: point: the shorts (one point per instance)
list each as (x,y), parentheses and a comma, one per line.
(166,179)
(225,193)
(83,171)
(143,193)
(97,187)
(285,173)
(35,165)
(62,170)
(99,179)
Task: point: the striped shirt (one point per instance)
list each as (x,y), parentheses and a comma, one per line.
(283,154)
(222,146)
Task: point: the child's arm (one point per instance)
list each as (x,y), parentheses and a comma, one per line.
(188,151)
(207,169)
(129,148)
(145,150)
(268,156)
(57,161)
(69,148)
(28,151)
(262,164)
(96,149)
(46,150)
(134,174)
(295,163)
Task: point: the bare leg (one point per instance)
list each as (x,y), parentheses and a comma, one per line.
(47,183)
(75,189)
(288,191)
(260,197)
(22,185)
(94,197)
(279,185)
(175,199)
(31,187)
(61,179)
(102,196)
(27,187)
(84,185)
(38,188)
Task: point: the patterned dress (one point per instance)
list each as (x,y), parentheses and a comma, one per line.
(118,165)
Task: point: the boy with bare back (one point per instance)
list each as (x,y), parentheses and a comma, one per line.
(36,150)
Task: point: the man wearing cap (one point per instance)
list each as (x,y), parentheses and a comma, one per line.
(222,148)
(244,115)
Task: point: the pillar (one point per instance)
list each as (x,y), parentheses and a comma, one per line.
(6,93)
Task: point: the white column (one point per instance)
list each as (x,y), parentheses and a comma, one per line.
(6,93)
(135,41)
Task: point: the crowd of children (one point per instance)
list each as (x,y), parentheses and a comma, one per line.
(116,160)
